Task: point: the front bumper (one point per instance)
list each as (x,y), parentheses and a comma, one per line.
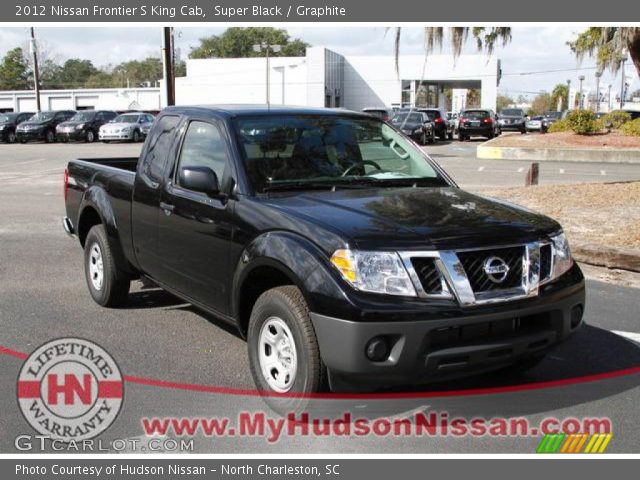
(115,136)
(22,135)
(452,345)
(73,135)
(512,127)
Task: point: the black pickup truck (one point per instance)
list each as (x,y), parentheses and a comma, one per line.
(345,256)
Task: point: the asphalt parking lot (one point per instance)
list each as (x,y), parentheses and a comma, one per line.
(43,296)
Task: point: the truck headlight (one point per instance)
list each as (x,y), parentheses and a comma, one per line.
(377,272)
(562,260)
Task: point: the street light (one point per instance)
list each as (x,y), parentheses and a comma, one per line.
(568,93)
(598,75)
(622,89)
(581,78)
(259,47)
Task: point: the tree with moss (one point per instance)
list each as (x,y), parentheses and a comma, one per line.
(608,45)
(560,93)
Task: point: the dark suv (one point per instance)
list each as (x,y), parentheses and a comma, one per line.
(415,125)
(42,126)
(443,128)
(513,120)
(84,125)
(8,123)
(478,122)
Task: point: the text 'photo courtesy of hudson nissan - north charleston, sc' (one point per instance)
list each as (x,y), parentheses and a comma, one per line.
(347,258)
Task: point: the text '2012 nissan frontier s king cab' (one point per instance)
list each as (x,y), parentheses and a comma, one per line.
(347,258)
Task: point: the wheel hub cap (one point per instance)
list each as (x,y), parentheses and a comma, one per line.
(278,359)
(96,268)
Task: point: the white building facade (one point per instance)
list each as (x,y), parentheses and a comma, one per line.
(324,78)
(119,99)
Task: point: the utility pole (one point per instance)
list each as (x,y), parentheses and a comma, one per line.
(36,73)
(167,64)
(598,75)
(609,99)
(568,93)
(581,78)
(622,86)
(259,47)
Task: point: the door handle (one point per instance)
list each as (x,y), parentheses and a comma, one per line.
(167,208)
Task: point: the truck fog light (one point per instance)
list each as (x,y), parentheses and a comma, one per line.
(377,349)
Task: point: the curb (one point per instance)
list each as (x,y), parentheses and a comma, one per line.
(610,257)
(489,151)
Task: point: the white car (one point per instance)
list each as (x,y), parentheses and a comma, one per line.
(126,127)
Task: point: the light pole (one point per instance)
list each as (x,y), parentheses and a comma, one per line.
(622,89)
(581,78)
(36,72)
(598,75)
(609,99)
(568,93)
(259,47)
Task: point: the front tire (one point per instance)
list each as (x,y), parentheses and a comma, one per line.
(107,285)
(90,136)
(136,136)
(283,349)
(11,137)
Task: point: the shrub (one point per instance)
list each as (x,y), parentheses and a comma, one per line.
(616,119)
(559,126)
(582,122)
(631,128)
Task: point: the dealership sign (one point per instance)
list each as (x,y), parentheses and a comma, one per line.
(70,389)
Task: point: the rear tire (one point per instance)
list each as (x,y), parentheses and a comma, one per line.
(136,136)
(107,285)
(283,349)
(90,136)
(11,137)
(49,136)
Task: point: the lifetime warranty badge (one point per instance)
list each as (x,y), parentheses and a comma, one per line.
(70,389)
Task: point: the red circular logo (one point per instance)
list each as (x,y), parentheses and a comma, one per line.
(70,389)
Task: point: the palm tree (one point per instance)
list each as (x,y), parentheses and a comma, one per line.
(485,38)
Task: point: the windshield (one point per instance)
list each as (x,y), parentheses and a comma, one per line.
(326,151)
(42,117)
(126,119)
(407,118)
(83,117)
(512,112)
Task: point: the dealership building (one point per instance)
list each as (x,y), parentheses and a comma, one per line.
(322,78)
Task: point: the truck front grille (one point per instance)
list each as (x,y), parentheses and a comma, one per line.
(428,274)
(475,263)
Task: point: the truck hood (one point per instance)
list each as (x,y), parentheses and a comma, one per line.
(414,218)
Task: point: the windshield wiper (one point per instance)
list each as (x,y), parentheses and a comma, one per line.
(298,186)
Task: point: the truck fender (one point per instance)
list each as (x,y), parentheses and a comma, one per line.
(95,199)
(293,256)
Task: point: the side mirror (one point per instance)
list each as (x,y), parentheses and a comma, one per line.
(199,179)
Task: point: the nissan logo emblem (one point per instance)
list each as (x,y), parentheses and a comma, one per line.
(496,269)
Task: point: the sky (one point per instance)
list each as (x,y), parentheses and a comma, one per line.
(532,49)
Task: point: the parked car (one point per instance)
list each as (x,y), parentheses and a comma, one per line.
(126,127)
(537,124)
(382,113)
(8,123)
(513,120)
(552,117)
(415,125)
(346,263)
(84,125)
(444,130)
(635,114)
(478,122)
(42,125)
